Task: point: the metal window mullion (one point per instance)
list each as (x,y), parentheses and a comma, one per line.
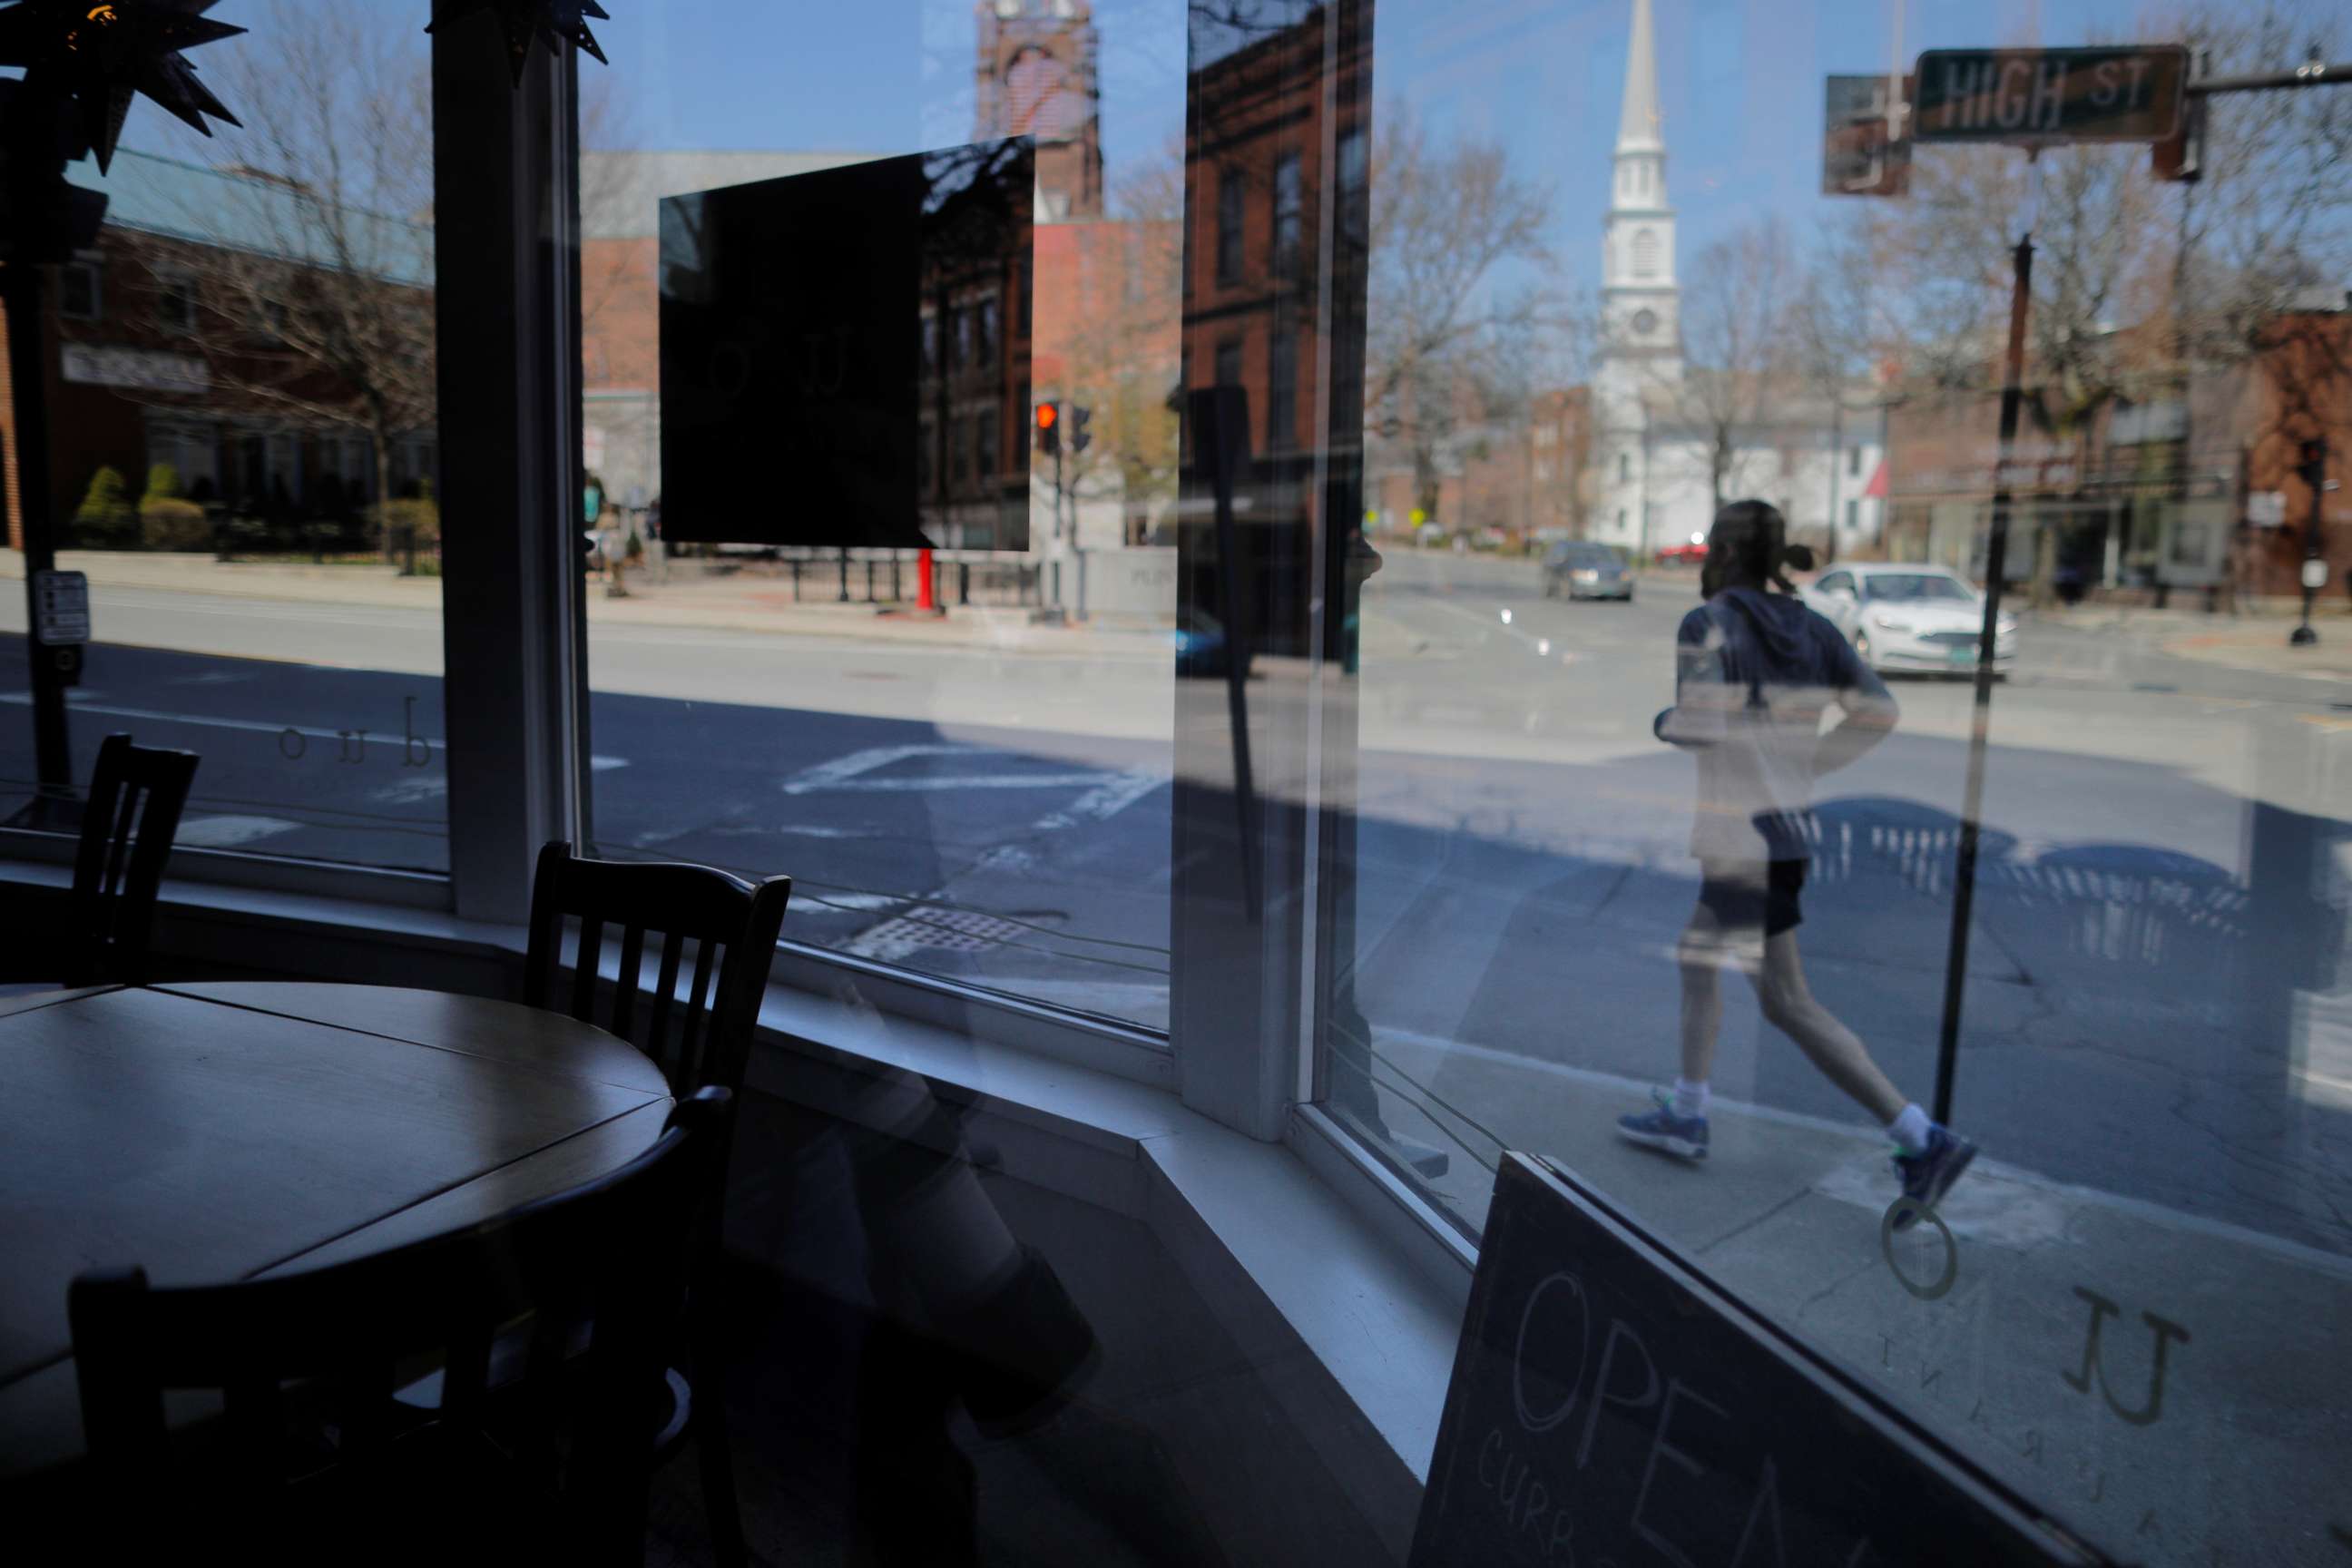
(506,317)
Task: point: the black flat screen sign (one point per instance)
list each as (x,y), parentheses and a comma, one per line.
(1610,1408)
(795,379)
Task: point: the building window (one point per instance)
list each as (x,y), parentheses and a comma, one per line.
(959,328)
(958,450)
(984,453)
(1621,519)
(79,295)
(1853,462)
(1624,468)
(988,323)
(1287,213)
(1229,362)
(931,344)
(176,303)
(1230,197)
(1282,391)
(1645,253)
(1853,516)
(1355,185)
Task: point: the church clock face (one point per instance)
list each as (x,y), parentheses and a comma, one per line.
(1646,320)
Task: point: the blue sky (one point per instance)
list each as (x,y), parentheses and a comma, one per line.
(1740,80)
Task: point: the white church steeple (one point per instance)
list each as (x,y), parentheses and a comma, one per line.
(1637,272)
(1641,346)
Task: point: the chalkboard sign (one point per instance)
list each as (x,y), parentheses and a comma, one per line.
(1612,1408)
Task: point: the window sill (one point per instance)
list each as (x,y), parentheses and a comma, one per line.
(1347,1321)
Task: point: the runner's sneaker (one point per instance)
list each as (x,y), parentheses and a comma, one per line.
(1929,1174)
(1683,1137)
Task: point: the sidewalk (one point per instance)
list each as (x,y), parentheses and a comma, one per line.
(2254,640)
(2173,1462)
(687,598)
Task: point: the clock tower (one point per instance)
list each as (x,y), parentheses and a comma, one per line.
(1641,347)
(1035,76)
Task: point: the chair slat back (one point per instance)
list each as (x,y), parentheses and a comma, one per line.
(308,1363)
(699,1035)
(128,822)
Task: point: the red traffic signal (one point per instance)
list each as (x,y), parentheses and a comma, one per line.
(1049,428)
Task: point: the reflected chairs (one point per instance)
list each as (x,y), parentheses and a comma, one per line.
(312,1461)
(699,1038)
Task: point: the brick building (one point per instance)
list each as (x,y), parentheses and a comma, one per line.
(150,360)
(2177,483)
(1278,119)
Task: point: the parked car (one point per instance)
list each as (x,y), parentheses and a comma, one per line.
(1580,570)
(1911,617)
(1692,553)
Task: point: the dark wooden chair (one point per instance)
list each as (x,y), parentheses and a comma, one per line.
(129,821)
(700,1037)
(311,1460)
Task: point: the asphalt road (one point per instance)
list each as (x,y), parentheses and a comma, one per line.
(2161,906)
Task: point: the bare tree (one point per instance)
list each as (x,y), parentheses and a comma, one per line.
(1450,341)
(313,268)
(1742,361)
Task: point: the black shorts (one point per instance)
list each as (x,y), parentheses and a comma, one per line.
(1741,905)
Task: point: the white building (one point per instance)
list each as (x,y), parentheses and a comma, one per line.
(1656,417)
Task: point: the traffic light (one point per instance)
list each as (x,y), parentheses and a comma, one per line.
(1080,417)
(42,218)
(1049,428)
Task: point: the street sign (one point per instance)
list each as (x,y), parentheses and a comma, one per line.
(61,608)
(2130,92)
(1863,151)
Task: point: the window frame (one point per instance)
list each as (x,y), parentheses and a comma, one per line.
(92,269)
(1232,210)
(175,283)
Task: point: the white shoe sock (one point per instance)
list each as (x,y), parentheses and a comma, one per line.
(1690,1098)
(1910,1130)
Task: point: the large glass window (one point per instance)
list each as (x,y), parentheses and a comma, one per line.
(256,597)
(974,785)
(1765,840)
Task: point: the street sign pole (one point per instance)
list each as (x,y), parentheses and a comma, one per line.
(1964,883)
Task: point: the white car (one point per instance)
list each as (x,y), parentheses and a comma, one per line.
(1923,619)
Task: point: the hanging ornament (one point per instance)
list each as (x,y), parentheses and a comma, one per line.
(557,21)
(100,56)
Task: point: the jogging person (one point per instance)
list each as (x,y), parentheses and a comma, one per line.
(1755,671)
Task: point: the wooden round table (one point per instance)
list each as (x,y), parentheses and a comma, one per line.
(218,1131)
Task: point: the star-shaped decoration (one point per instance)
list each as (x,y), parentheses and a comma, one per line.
(557,21)
(101,55)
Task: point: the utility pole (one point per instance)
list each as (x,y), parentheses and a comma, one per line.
(2313,471)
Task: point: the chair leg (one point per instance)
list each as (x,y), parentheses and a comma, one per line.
(714,1453)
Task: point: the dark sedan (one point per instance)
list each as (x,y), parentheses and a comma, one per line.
(1576,570)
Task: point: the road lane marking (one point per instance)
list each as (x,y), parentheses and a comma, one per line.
(257,726)
(1104,801)
(230,832)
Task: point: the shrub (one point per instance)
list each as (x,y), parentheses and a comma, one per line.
(422,515)
(106,519)
(162,483)
(167,522)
